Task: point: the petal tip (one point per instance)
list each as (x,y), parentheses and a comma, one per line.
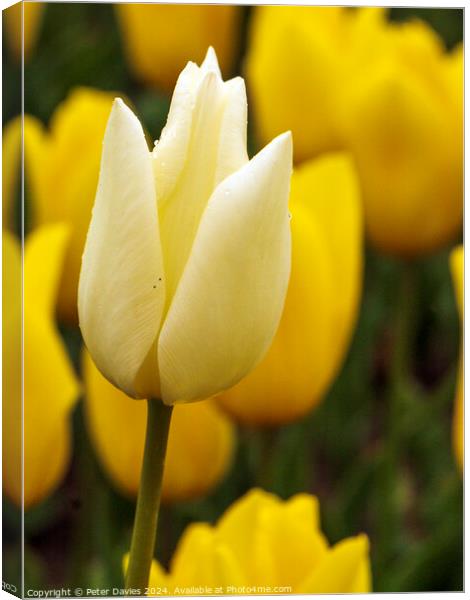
(120,109)
(122,122)
(363,543)
(280,149)
(284,140)
(119,105)
(210,62)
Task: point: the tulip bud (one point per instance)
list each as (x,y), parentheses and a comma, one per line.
(200,444)
(293,71)
(158,38)
(299,61)
(49,379)
(403,123)
(187,257)
(263,541)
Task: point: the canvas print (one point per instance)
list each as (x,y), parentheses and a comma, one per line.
(232,299)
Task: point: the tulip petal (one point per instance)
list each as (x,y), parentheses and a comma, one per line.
(411,185)
(300,543)
(11,367)
(201,557)
(49,378)
(344,569)
(237,525)
(267,535)
(299,89)
(53,379)
(159,38)
(210,62)
(180,212)
(37,165)
(336,208)
(11,161)
(158,576)
(43,261)
(121,291)
(61,189)
(203,142)
(232,152)
(321,302)
(229,301)
(200,449)
(200,443)
(116,426)
(170,150)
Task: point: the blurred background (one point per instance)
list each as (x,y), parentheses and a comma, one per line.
(376,443)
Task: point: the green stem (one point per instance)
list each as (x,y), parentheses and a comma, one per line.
(268,438)
(400,389)
(405,327)
(148,502)
(402,384)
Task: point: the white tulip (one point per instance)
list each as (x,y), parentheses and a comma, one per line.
(187,259)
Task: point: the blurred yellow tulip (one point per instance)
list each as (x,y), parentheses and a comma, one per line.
(50,385)
(265,545)
(322,298)
(298,62)
(403,123)
(62,167)
(11,162)
(292,70)
(200,446)
(457,270)
(389,93)
(159,39)
(12,18)
(11,366)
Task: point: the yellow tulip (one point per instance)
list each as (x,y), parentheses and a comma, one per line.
(297,65)
(386,92)
(62,167)
(187,258)
(403,123)
(322,298)
(11,366)
(200,446)
(292,70)
(456,265)
(159,38)
(31,14)
(11,161)
(50,385)
(264,545)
